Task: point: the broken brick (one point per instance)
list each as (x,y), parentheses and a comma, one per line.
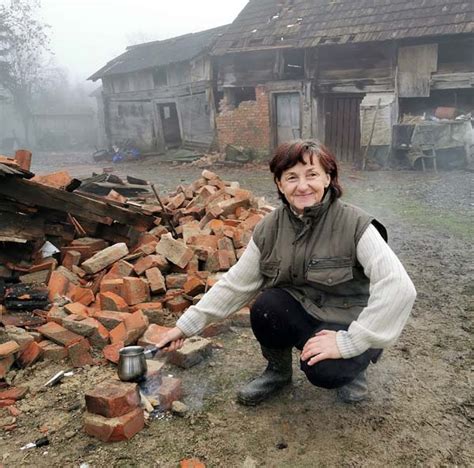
(135,325)
(105,258)
(194,286)
(5,365)
(110,318)
(112,285)
(71,258)
(114,429)
(112,301)
(112,399)
(155,280)
(121,268)
(153,335)
(79,294)
(79,353)
(59,334)
(52,351)
(13,393)
(175,280)
(170,390)
(30,355)
(75,308)
(58,285)
(177,304)
(174,250)
(9,348)
(135,290)
(111,352)
(194,350)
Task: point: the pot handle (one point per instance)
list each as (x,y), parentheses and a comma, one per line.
(152,350)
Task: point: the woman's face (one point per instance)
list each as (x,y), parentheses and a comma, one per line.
(303,184)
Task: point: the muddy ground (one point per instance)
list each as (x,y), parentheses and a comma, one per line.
(420,410)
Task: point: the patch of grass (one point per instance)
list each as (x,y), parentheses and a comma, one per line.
(413,212)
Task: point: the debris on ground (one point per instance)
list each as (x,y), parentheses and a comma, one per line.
(83,275)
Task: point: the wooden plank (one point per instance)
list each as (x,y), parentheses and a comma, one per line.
(18,228)
(78,205)
(352,123)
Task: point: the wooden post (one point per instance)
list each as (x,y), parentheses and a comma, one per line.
(364,159)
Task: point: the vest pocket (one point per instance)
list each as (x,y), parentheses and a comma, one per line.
(269,270)
(329,271)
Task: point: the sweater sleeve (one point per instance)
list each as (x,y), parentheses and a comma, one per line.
(233,291)
(391,299)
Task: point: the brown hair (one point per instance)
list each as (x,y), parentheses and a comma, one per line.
(291,153)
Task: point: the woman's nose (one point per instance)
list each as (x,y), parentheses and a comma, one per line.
(302,184)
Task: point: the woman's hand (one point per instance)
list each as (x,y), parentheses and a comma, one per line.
(322,346)
(174,338)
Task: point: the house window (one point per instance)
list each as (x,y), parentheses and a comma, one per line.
(160,77)
(293,64)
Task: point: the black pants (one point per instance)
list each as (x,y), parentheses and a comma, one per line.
(279,321)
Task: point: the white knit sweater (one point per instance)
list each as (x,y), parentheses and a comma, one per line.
(391,299)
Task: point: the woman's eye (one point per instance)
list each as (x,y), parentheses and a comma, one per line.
(291,178)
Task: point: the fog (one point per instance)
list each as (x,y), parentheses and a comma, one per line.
(85,34)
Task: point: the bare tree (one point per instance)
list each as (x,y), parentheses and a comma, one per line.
(24,46)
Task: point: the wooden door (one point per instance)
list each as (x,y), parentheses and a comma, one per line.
(287,117)
(343,127)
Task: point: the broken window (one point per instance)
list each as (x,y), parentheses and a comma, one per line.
(293,64)
(160,77)
(234,96)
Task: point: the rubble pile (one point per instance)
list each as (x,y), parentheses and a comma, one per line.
(116,278)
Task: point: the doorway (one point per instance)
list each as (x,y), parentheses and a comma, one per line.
(170,123)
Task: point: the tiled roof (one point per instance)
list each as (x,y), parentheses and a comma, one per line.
(158,53)
(307,23)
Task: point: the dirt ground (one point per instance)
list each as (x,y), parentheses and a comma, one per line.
(420,411)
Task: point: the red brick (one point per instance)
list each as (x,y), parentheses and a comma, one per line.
(112,301)
(241,238)
(76,308)
(111,351)
(176,280)
(177,304)
(121,268)
(152,335)
(30,355)
(191,463)
(5,365)
(9,348)
(173,250)
(71,258)
(110,318)
(155,280)
(135,325)
(6,403)
(52,351)
(105,258)
(79,354)
(194,350)
(58,285)
(170,390)
(112,399)
(13,393)
(241,318)
(150,261)
(118,334)
(194,285)
(79,294)
(112,285)
(59,334)
(89,328)
(114,429)
(135,290)
(251,222)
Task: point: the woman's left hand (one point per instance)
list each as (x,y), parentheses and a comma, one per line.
(322,346)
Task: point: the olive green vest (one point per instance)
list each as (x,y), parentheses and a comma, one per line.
(313,257)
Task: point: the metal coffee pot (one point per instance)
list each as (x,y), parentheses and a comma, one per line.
(132,362)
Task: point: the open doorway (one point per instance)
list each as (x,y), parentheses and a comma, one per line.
(170,123)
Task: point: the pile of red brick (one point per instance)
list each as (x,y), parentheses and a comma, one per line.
(107,296)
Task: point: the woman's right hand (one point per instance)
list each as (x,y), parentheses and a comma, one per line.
(174,338)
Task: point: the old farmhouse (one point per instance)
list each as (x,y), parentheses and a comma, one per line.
(161,94)
(313,68)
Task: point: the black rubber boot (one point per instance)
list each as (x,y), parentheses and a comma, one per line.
(276,375)
(354,391)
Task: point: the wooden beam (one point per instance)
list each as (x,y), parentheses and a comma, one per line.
(36,194)
(20,228)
